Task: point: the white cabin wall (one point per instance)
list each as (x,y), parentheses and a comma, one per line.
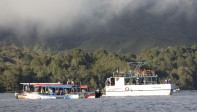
(119,82)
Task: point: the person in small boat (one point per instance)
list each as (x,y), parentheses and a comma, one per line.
(56,92)
(65,91)
(61,92)
(50,91)
(36,89)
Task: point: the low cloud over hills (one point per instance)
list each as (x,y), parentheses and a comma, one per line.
(129,25)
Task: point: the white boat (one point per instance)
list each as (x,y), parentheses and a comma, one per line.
(49,91)
(136,83)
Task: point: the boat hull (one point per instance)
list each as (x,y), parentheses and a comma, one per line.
(140,90)
(139,93)
(71,96)
(36,95)
(90,96)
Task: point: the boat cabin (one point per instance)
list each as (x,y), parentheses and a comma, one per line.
(128,78)
(53,88)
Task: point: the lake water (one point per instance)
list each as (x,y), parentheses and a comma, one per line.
(182,101)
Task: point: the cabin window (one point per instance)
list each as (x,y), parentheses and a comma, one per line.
(112,81)
(128,81)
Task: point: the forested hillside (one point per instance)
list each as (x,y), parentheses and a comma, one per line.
(41,64)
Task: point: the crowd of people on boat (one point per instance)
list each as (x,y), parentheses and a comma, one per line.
(48,90)
(167,81)
(70,82)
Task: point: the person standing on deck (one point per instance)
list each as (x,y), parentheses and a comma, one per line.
(165,82)
(26,88)
(68,82)
(72,82)
(168,81)
(83,93)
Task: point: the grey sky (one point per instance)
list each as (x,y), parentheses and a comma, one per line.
(50,15)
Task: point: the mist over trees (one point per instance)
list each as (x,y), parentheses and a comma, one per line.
(41,64)
(116,25)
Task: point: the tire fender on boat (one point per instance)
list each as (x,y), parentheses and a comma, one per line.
(127,89)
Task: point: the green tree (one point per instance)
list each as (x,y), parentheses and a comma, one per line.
(9,81)
(93,84)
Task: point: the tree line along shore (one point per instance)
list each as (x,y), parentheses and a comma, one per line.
(40,64)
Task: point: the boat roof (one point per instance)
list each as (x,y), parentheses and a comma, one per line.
(65,86)
(135,76)
(61,86)
(41,83)
(55,85)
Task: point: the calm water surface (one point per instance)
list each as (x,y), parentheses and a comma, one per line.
(182,101)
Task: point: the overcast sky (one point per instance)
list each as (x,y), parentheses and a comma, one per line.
(50,15)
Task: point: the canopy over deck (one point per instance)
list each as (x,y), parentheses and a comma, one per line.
(55,85)
(41,83)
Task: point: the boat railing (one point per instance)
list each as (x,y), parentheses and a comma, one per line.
(134,75)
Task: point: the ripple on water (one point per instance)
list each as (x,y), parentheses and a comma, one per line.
(178,102)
